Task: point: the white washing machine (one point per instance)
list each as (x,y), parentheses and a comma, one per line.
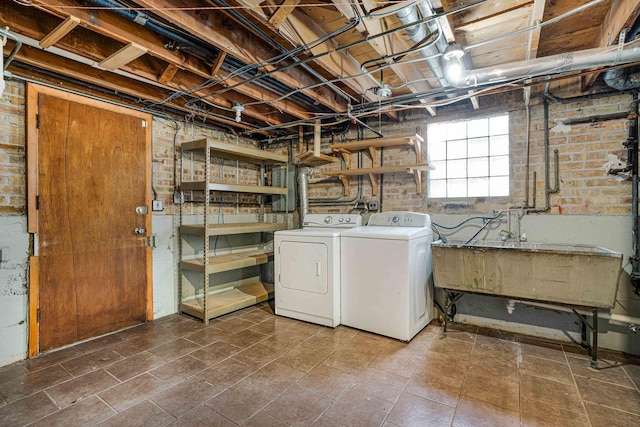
(307,268)
(387,273)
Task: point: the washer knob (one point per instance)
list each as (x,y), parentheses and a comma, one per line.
(395,219)
(328,220)
(341,219)
(348,219)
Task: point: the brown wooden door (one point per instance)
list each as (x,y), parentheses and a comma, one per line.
(93,267)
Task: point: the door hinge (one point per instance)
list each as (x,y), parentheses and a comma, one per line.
(38,315)
(38,202)
(37,121)
(151,241)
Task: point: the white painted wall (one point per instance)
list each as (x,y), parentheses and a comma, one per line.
(14,242)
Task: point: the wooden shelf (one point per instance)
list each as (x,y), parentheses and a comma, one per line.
(231,300)
(227,262)
(232,188)
(228,151)
(373,173)
(393,141)
(232,228)
(311,158)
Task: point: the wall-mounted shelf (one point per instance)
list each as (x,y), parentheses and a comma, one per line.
(212,298)
(373,146)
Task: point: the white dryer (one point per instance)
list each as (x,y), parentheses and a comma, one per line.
(307,268)
(386,275)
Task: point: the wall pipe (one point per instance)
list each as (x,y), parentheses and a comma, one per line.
(632,158)
(5,33)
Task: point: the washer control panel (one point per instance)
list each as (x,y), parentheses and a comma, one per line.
(400,219)
(332,220)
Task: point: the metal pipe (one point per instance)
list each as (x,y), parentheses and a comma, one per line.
(6,34)
(632,149)
(527,145)
(553,64)
(419,32)
(303,187)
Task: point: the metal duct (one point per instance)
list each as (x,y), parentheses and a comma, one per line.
(419,33)
(303,187)
(554,64)
(620,79)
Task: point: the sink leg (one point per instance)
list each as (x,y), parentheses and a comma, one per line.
(445,316)
(594,340)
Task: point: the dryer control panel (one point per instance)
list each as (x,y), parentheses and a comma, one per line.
(332,220)
(400,219)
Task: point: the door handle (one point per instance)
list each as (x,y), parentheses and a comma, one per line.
(318,270)
(140,231)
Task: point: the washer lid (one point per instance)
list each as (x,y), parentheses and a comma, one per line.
(388,233)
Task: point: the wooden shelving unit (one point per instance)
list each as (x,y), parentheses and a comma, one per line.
(214,299)
(373,146)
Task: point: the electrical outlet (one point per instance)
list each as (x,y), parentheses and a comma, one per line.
(361,204)
(373,205)
(178,197)
(156,205)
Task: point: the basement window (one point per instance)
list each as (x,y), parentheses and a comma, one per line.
(471,158)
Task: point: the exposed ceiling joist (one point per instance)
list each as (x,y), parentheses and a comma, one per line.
(220,32)
(533,41)
(621,14)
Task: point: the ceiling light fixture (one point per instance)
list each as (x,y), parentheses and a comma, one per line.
(453,64)
(238,108)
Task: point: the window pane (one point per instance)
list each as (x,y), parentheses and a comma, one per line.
(457,168)
(478,127)
(478,167)
(457,149)
(438,188)
(499,166)
(456,130)
(440,171)
(437,150)
(479,147)
(499,125)
(478,187)
(499,186)
(457,188)
(436,132)
(499,145)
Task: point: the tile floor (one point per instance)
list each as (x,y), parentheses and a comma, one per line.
(252,368)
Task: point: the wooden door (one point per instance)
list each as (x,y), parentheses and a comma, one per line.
(92,174)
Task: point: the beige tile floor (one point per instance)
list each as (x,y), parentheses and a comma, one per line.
(252,368)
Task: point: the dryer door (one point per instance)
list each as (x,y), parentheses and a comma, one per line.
(303,266)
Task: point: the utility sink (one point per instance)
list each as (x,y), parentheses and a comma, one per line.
(577,275)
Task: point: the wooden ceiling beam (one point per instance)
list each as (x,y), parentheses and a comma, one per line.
(621,14)
(217,64)
(168,74)
(59,32)
(92,47)
(283,11)
(81,72)
(219,31)
(536,17)
(110,25)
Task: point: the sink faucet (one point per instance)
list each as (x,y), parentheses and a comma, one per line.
(513,227)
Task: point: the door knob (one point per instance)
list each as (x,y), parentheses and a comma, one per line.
(140,231)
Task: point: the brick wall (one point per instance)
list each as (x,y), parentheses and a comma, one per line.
(12,150)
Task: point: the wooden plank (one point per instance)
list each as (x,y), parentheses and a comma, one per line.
(34,304)
(228,301)
(228,151)
(535,18)
(217,64)
(234,228)
(168,74)
(227,262)
(474,100)
(620,15)
(123,56)
(380,170)
(232,188)
(310,158)
(59,32)
(283,11)
(390,141)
